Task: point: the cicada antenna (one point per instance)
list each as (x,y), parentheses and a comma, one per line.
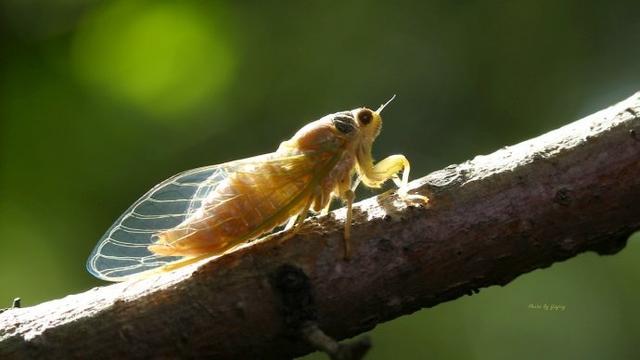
(385,104)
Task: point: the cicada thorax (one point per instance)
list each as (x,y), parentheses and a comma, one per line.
(246,204)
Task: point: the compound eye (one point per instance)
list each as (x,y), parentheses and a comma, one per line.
(365,116)
(344,123)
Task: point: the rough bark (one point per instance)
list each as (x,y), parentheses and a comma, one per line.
(488,221)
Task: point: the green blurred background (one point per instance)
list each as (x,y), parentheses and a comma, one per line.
(100,100)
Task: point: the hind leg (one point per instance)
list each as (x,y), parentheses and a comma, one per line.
(295,223)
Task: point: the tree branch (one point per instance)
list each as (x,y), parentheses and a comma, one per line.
(489,220)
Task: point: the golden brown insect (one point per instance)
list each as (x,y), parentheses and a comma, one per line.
(206,211)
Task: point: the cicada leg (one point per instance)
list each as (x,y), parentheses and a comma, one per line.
(295,222)
(291,222)
(388,168)
(325,209)
(349,195)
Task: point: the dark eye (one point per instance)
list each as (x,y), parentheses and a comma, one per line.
(343,123)
(365,116)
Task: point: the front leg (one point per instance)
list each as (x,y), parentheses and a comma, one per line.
(389,168)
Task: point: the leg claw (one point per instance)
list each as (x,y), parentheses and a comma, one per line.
(412,198)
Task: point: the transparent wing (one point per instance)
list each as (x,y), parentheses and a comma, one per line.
(122,251)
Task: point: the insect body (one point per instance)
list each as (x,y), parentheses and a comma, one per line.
(207,211)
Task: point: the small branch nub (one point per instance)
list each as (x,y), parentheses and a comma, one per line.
(298,309)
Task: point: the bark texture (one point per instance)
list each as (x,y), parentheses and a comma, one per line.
(489,220)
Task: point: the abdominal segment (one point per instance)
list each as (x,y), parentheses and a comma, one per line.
(241,207)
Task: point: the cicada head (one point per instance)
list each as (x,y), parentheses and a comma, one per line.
(369,126)
(370,122)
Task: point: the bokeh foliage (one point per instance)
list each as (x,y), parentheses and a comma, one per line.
(99,100)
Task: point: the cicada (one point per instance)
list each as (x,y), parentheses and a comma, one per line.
(208,211)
